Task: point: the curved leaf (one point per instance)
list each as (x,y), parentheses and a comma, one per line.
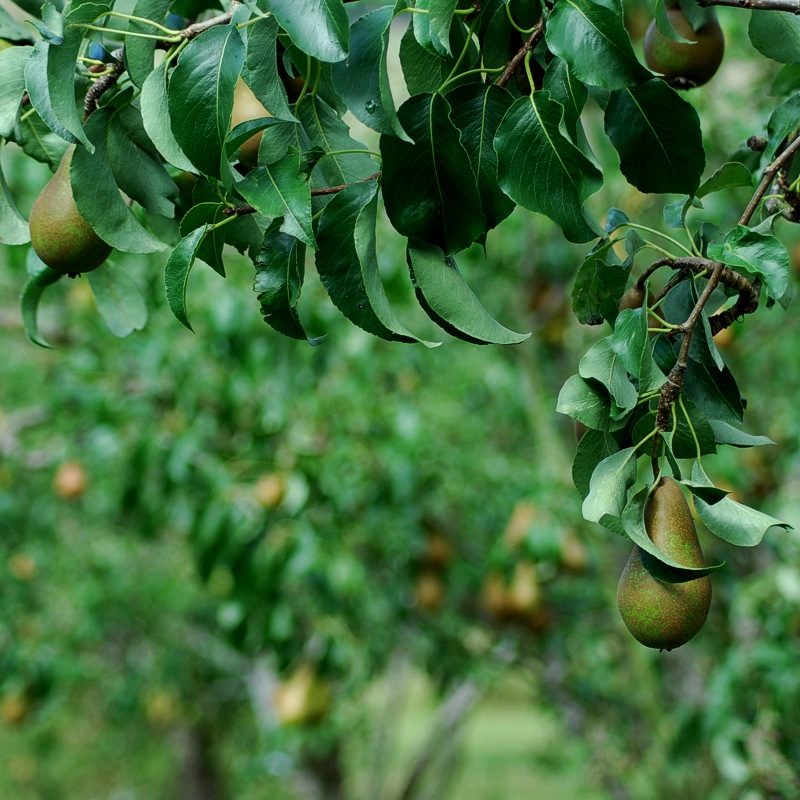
(319,28)
(449,302)
(776,35)
(139,51)
(12,85)
(176,273)
(39,280)
(119,299)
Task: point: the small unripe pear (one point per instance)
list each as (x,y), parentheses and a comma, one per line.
(633,298)
(247,106)
(665,615)
(61,237)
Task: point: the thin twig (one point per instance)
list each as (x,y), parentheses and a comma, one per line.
(792,6)
(516,62)
(201,27)
(766,181)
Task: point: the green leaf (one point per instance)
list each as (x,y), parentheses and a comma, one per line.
(700,485)
(728,176)
(605,56)
(542,170)
(137,171)
(210,248)
(602,364)
(13,226)
(725,433)
(423,71)
(567,90)
(641,122)
(599,285)
(714,391)
(594,447)
(782,124)
(119,299)
(280,271)
(281,190)
(97,195)
(428,36)
(347,262)
(441,20)
(608,488)
(660,565)
(586,402)
(176,273)
(38,141)
(40,277)
(630,340)
(786,82)
(200,96)
(11,30)
(477,109)
(318,27)
(449,302)
(428,187)
(155,118)
(61,69)
(140,52)
(759,254)
(12,86)
(736,523)
(776,35)
(363,82)
(261,68)
(665,26)
(38,87)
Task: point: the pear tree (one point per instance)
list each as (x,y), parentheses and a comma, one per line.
(489,111)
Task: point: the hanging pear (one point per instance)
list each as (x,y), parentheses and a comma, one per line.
(665,615)
(61,237)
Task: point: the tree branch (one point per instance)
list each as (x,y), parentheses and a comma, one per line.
(516,62)
(792,6)
(103,83)
(201,27)
(769,175)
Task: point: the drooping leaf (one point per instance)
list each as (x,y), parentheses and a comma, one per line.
(119,299)
(449,302)
(776,35)
(40,277)
(659,565)
(13,226)
(539,168)
(156,121)
(210,248)
(760,254)
(176,273)
(428,187)
(782,123)
(12,85)
(139,51)
(61,69)
(725,433)
(567,90)
(280,271)
(599,285)
(585,401)
(281,190)
(641,122)
(602,364)
(97,196)
(477,109)
(594,447)
(261,68)
(608,488)
(347,262)
(714,391)
(423,71)
(605,57)
(318,27)
(200,96)
(728,176)
(363,81)
(736,523)
(38,87)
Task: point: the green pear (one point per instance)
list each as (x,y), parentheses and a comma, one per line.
(61,237)
(665,615)
(685,66)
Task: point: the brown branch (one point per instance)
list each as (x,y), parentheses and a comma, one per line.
(792,6)
(769,175)
(197,28)
(103,83)
(516,62)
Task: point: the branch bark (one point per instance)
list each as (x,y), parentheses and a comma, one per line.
(792,6)
(516,62)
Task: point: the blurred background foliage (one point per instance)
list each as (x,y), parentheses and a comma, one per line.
(232,565)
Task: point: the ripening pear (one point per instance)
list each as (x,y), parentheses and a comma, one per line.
(665,615)
(61,237)
(685,66)
(247,106)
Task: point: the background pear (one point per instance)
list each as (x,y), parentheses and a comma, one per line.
(247,106)
(61,237)
(665,615)
(685,66)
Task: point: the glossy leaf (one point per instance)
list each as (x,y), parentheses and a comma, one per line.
(139,51)
(118,298)
(176,273)
(38,86)
(347,262)
(594,447)
(477,109)
(585,401)
(210,248)
(605,56)
(729,176)
(599,285)
(449,302)
(776,34)
(641,122)
(97,196)
(318,27)
(40,277)
(200,96)
(602,364)
(12,85)
(608,488)
(567,90)
(423,71)
(363,81)
(428,187)
(281,190)
(539,168)
(280,271)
